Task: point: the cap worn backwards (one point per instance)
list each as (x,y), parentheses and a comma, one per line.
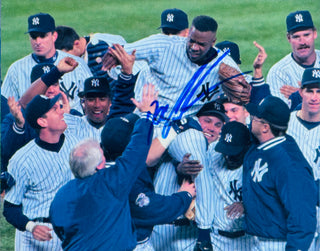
(41,22)
(96,85)
(272,109)
(116,135)
(235,137)
(299,20)
(174,19)
(39,106)
(310,76)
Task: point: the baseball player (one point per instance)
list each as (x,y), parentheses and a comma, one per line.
(285,75)
(184,70)
(40,168)
(174,22)
(168,237)
(272,197)
(41,29)
(104,224)
(304,127)
(224,201)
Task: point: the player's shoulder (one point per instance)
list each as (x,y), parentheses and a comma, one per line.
(110,39)
(282,63)
(26,60)
(25,153)
(63,54)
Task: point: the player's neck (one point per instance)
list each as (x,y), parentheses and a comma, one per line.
(49,136)
(306,62)
(308,116)
(47,59)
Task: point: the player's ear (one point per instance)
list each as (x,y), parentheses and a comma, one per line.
(55,35)
(42,122)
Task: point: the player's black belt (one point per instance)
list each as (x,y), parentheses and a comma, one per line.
(181,222)
(232,235)
(42,219)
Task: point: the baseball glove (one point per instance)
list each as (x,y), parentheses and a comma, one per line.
(237,89)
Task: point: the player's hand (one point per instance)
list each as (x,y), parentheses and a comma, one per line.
(261,57)
(65,102)
(42,233)
(108,61)
(123,57)
(149,94)
(189,167)
(287,90)
(235,210)
(184,124)
(15,110)
(67,64)
(186,186)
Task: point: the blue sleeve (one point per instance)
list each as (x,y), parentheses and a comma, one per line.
(12,140)
(260,90)
(149,208)
(4,107)
(123,91)
(13,214)
(296,187)
(296,99)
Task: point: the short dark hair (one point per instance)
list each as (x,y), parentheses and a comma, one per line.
(205,23)
(66,38)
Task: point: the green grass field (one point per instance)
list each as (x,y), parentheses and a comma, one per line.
(241,21)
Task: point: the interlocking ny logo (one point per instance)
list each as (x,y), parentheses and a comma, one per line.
(170,18)
(46,69)
(228,138)
(237,192)
(258,170)
(95,82)
(316,73)
(317,155)
(299,18)
(35,21)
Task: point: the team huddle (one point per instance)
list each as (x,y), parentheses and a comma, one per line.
(163,143)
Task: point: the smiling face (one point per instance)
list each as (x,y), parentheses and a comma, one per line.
(53,120)
(236,112)
(199,43)
(302,44)
(211,127)
(97,109)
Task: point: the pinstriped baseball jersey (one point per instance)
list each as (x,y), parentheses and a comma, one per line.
(17,79)
(309,144)
(39,174)
(227,189)
(169,237)
(171,71)
(287,72)
(80,127)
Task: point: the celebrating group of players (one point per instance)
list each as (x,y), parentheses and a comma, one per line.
(109,145)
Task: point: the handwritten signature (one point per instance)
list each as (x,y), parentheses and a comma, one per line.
(185,102)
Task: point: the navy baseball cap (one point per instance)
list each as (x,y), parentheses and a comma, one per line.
(213,108)
(97,86)
(310,76)
(235,137)
(233,47)
(174,19)
(39,69)
(39,106)
(299,20)
(41,22)
(116,135)
(272,109)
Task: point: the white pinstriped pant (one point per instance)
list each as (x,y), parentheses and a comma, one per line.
(24,241)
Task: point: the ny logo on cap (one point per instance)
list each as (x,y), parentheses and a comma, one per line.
(299,18)
(228,138)
(316,73)
(227,50)
(170,17)
(46,69)
(35,21)
(95,83)
(217,106)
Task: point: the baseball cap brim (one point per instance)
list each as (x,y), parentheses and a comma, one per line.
(220,115)
(228,149)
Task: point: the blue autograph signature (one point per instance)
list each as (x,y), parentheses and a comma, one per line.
(185,102)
